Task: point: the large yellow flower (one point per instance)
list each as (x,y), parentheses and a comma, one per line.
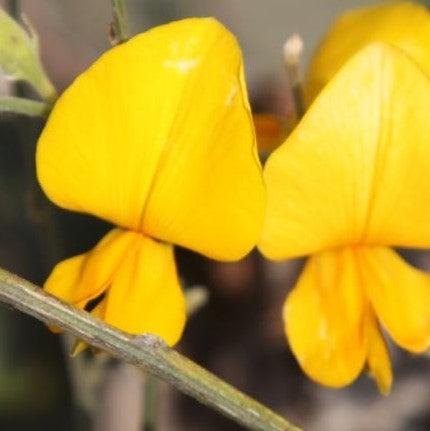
(405,25)
(351,181)
(157,138)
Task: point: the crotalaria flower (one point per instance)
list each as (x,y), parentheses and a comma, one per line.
(405,25)
(351,181)
(155,137)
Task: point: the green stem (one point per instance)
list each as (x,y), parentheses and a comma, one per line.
(20,105)
(120,24)
(147,351)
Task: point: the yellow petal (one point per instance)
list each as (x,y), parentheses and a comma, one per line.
(64,280)
(209,194)
(400,295)
(405,25)
(324,319)
(104,260)
(157,136)
(145,295)
(378,358)
(138,276)
(81,278)
(353,169)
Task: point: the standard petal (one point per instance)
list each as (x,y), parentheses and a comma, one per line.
(325,319)
(396,23)
(145,295)
(104,138)
(354,169)
(82,278)
(209,194)
(400,296)
(157,135)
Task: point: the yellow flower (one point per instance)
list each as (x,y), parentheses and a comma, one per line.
(157,138)
(351,181)
(405,25)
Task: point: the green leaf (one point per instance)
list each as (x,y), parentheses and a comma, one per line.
(19,56)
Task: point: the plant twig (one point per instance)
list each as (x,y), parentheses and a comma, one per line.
(147,351)
(293,48)
(119,27)
(20,105)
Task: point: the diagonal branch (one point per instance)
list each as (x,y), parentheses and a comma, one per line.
(119,27)
(147,352)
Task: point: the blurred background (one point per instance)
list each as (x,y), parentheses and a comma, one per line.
(238,334)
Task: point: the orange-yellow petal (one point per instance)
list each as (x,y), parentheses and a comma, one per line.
(378,358)
(400,296)
(209,194)
(64,279)
(354,169)
(405,25)
(324,319)
(82,278)
(145,295)
(139,279)
(157,136)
